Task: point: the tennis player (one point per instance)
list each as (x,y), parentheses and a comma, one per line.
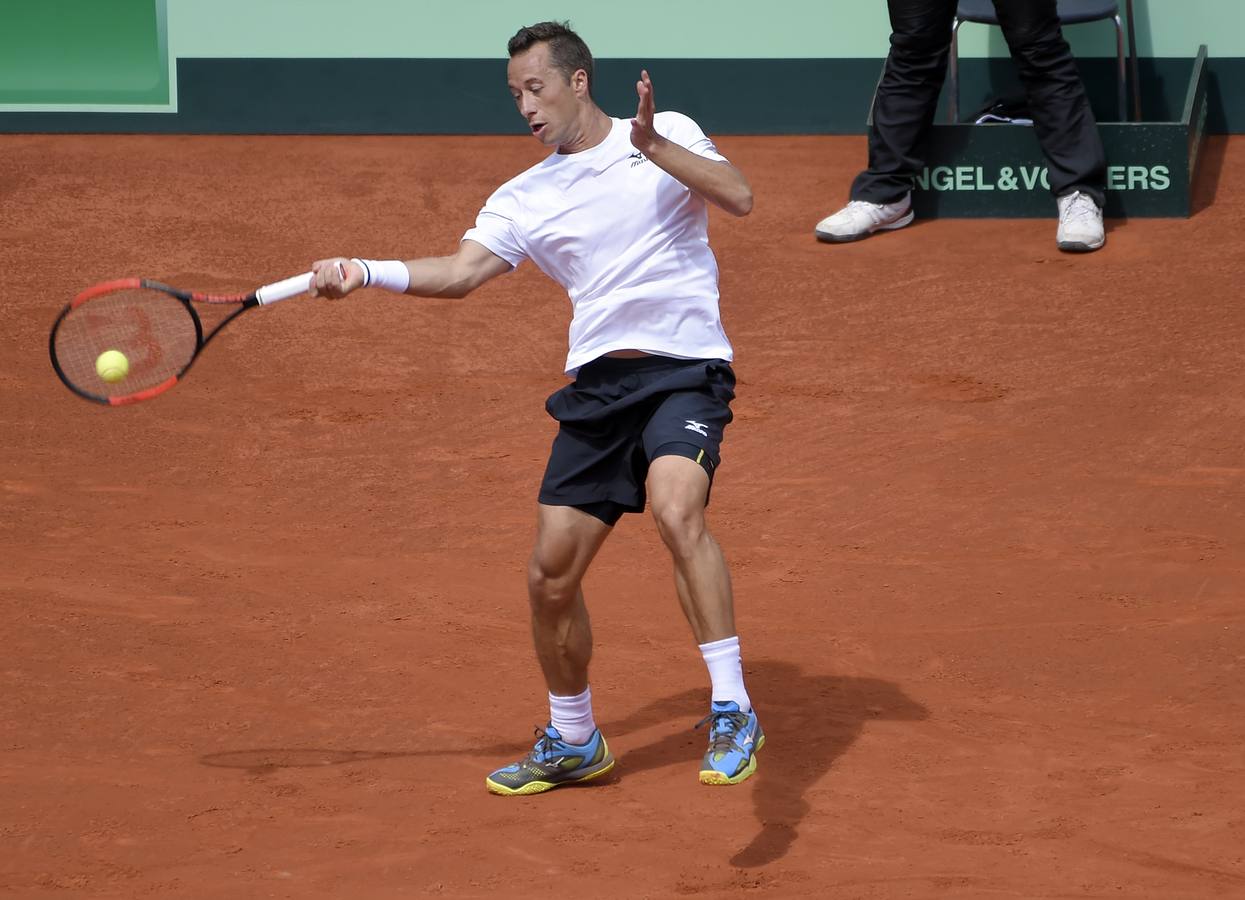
(618,216)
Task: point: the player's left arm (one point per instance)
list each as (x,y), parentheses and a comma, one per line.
(716,180)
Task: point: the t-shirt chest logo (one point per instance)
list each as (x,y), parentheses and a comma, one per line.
(637,158)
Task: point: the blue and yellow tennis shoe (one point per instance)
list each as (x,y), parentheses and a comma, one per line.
(552,763)
(734,739)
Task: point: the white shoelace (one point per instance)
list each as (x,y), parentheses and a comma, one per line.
(1079,210)
(875,211)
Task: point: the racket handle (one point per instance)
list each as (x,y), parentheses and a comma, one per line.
(291,287)
(285,289)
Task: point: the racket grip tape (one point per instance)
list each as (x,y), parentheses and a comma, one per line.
(285,289)
(291,287)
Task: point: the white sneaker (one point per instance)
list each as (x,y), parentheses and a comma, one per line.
(1080,224)
(859,219)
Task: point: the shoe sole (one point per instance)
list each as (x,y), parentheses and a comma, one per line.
(710,776)
(826,238)
(1079,246)
(539,787)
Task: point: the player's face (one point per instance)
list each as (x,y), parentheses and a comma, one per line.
(544,97)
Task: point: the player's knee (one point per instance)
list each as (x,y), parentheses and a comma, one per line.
(681,524)
(550,589)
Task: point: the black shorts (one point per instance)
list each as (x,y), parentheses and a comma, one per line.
(618,415)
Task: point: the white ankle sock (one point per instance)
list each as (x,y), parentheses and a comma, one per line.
(726,671)
(572,716)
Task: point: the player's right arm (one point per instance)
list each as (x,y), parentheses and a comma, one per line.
(433,276)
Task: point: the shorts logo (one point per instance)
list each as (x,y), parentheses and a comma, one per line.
(693,425)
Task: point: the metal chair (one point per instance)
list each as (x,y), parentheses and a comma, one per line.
(1071,12)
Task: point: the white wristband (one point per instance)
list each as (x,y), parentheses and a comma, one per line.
(386,274)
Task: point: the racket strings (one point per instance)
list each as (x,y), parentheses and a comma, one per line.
(156,332)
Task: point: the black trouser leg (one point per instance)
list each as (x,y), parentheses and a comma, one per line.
(1062,119)
(907,98)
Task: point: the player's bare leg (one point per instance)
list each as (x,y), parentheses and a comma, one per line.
(677,490)
(570,748)
(567,540)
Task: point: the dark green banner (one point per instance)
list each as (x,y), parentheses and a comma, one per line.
(468,96)
(999,170)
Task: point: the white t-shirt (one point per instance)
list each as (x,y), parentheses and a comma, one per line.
(629,243)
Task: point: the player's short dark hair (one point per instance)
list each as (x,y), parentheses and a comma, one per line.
(567,51)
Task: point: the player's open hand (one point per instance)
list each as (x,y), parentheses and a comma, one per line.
(643,136)
(335,277)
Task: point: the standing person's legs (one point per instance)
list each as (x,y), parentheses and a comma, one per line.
(907,97)
(1062,118)
(903,110)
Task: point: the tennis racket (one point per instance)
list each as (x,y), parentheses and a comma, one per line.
(132,339)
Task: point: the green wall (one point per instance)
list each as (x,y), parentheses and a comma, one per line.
(417,66)
(695,29)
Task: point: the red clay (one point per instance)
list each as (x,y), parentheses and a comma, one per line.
(265,635)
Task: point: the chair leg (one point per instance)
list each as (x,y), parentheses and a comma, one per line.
(953,73)
(1135,77)
(1121,74)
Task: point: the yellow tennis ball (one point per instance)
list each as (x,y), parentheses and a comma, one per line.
(112,365)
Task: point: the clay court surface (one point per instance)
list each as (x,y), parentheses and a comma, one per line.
(265,635)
